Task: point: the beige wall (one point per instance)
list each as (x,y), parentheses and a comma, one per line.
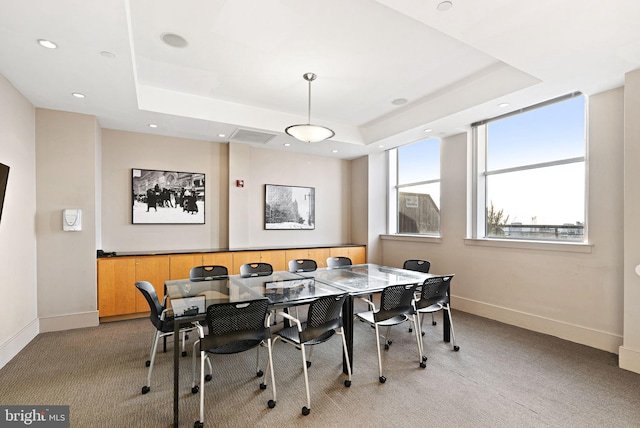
(18,287)
(257,167)
(569,292)
(66,178)
(630,351)
(122,151)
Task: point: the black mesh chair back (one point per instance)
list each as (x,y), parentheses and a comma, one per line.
(417,265)
(323,321)
(255,269)
(323,318)
(235,327)
(204,273)
(435,291)
(163,323)
(334,262)
(302,265)
(396,300)
(149,292)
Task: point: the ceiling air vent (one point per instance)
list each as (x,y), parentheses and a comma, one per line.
(254,137)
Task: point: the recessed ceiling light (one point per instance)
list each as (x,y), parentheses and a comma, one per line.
(286,144)
(78,95)
(399,101)
(47,44)
(222,135)
(107,54)
(334,151)
(380,146)
(503,105)
(427,130)
(445,5)
(174,40)
(153,125)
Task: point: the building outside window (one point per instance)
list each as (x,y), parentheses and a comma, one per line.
(530,173)
(415,188)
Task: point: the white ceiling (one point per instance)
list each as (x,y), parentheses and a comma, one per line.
(242,67)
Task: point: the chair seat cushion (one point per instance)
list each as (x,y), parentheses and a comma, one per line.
(429,309)
(235,347)
(290,334)
(368,317)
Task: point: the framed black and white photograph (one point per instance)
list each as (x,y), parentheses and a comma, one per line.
(167,197)
(289,207)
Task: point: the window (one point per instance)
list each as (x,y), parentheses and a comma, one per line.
(415,188)
(530,173)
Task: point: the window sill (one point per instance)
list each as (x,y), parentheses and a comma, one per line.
(568,247)
(413,238)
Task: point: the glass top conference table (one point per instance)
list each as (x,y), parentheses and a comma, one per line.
(190,298)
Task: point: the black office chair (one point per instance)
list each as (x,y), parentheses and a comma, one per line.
(302,265)
(163,324)
(434,297)
(204,273)
(324,319)
(396,306)
(419,265)
(334,262)
(234,328)
(255,269)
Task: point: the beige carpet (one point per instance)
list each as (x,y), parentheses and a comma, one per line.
(503,376)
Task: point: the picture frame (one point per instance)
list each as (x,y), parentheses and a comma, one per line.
(167,197)
(289,207)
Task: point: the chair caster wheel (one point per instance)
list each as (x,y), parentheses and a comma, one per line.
(263,386)
(271,404)
(198,424)
(145,389)
(308,364)
(456,348)
(382,379)
(306,410)
(184,353)
(410,330)
(434,323)
(195,389)
(424,358)
(147,363)
(423,365)
(259,374)
(186,337)
(423,333)
(347,383)
(386,346)
(207,378)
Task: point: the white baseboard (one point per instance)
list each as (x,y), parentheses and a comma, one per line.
(14,345)
(69,321)
(629,359)
(574,333)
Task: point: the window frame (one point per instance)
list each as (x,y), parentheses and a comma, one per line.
(393,160)
(480,172)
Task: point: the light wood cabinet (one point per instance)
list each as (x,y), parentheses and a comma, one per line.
(320,255)
(356,254)
(180,264)
(275,258)
(117,294)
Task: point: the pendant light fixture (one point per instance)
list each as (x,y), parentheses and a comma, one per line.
(308,132)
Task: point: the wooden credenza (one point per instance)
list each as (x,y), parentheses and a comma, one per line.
(118,298)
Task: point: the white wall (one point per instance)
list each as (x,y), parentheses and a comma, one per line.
(19,317)
(66,178)
(573,293)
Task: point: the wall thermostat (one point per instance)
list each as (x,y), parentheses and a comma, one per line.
(72,219)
